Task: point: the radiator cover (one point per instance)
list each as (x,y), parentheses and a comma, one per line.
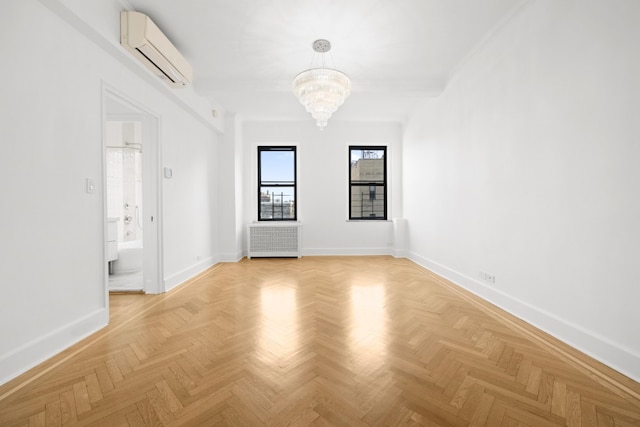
(274,239)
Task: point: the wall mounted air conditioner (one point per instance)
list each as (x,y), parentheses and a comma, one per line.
(140,36)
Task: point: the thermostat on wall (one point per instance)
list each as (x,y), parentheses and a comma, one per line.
(168,172)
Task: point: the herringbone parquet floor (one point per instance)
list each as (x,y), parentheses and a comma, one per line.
(349,341)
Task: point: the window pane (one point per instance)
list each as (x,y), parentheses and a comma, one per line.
(367,202)
(277,167)
(367,166)
(277,203)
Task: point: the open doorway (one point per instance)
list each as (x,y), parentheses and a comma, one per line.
(131,160)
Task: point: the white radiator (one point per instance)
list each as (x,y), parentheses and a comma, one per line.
(274,239)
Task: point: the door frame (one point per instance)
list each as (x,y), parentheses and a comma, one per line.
(129,109)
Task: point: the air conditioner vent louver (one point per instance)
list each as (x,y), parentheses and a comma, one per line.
(274,240)
(144,40)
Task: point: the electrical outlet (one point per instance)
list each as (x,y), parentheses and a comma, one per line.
(487,277)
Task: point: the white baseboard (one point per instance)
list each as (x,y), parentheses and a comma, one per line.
(31,354)
(598,347)
(186,274)
(400,253)
(346,251)
(232,257)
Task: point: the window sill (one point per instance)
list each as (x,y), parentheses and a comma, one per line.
(369,220)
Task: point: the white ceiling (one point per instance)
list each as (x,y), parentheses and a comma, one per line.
(245,53)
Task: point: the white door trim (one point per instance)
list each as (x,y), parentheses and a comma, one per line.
(152,185)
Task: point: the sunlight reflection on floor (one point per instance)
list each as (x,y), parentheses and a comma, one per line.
(279,330)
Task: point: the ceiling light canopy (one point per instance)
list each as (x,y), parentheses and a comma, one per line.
(321,90)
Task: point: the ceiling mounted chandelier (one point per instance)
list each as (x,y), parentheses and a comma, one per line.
(321,90)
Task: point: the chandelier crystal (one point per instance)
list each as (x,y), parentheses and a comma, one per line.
(321,90)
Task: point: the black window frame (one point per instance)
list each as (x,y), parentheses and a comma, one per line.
(370,184)
(261,184)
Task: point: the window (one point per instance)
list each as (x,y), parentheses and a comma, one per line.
(368,182)
(277,184)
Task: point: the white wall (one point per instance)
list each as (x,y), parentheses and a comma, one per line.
(190,198)
(526,167)
(230,189)
(323,182)
(52,266)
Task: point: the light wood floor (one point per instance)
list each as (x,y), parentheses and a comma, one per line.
(348,341)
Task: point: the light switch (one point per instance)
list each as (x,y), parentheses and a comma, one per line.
(91,186)
(168,172)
